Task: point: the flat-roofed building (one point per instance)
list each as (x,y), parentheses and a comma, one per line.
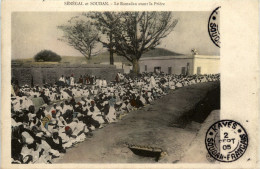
(174,63)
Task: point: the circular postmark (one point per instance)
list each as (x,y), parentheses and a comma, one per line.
(213,27)
(226,140)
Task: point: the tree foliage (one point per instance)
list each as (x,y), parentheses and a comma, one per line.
(108,24)
(80,34)
(128,34)
(47,56)
(141,32)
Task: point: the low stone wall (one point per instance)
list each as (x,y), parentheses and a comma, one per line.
(50,73)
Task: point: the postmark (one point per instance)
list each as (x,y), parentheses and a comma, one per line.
(226,140)
(213,27)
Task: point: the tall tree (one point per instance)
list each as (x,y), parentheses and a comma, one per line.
(108,23)
(141,32)
(80,34)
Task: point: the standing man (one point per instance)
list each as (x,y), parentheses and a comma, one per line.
(72,80)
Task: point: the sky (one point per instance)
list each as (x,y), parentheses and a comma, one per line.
(35,31)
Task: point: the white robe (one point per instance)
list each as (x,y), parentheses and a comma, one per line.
(104,83)
(71,81)
(152,82)
(96,115)
(111,116)
(62,79)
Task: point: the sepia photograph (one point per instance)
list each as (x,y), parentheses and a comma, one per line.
(113,87)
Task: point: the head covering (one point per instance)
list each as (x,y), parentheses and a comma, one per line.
(105,102)
(55,131)
(67,128)
(79,115)
(40,134)
(44,105)
(75,119)
(31,116)
(53,112)
(27,138)
(16,124)
(82,102)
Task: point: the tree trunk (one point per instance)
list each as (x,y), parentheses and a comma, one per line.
(111,57)
(111,49)
(89,53)
(135,66)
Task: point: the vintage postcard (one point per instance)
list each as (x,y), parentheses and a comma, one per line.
(130,84)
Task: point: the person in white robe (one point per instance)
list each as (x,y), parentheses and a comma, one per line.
(96,115)
(80,131)
(30,149)
(62,79)
(67,138)
(64,95)
(111,116)
(104,83)
(179,84)
(100,83)
(72,83)
(152,82)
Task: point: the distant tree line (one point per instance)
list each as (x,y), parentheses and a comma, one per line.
(47,56)
(128,34)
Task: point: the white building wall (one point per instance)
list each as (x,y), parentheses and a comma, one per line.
(208,64)
(119,65)
(127,69)
(176,65)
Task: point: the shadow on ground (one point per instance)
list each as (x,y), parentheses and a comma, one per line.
(169,125)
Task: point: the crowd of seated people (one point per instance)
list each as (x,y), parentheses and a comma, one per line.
(72,111)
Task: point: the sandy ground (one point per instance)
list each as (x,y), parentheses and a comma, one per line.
(152,126)
(199,154)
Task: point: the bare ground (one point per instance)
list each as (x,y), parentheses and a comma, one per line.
(159,125)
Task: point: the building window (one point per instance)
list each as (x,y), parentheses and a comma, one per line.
(169,70)
(145,68)
(198,70)
(183,70)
